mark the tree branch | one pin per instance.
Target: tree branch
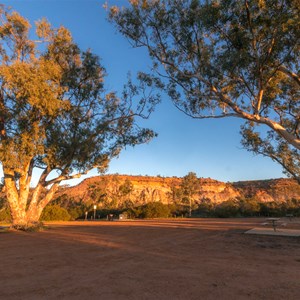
(291, 74)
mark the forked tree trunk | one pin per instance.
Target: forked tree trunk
(26, 209)
(26, 214)
(24, 218)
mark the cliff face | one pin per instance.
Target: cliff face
(278, 190)
(147, 189)
(143, 189)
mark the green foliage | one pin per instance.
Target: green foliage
(248, 207)
(3, 202)
(271, 209)
(205, 208)
(75, 209)
(189, 187)
(5, 215)
(126, 188)
(274, 209)
(95, 192)
(176, 193)
(150, 210)
(224, 58)
(55, 213)
(155, 210)
(178, 210)
(76, 212)
(190, 184)
(227, 209)
(133, 212)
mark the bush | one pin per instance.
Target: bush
(76, 213)
(134, 212)
(271, 209)
(249, 207)
(5, 215)
(227, 209)
(149, 211)
(177, 210)
(55, 213)
(155, 210)
(206, 208)
(293, 207)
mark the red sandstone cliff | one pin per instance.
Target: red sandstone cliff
(147, 189)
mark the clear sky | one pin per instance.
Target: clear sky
(210, 148)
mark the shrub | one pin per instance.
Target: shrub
(249, 207)
(55, 213)
(134, 212)
(293, 207)
(5, 215)
(150, 210)
(227, 209)
(76, 212)
(155, 210)
(177, 209)
(271, 209)
(206, 208)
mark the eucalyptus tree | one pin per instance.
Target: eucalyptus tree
(55, 114)
(226, 58)
(189, 187)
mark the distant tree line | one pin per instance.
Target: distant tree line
(251, 207)
(247, 207)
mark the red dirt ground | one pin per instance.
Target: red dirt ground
(158, 259)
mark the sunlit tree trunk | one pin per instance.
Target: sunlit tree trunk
(17, 205)
(24, 215)
(26, 208)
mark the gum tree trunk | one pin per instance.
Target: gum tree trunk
(23, 218)
(26, 209)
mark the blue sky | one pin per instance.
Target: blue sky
(210, 148)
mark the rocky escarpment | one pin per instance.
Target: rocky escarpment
(278, 190)
(144, 189)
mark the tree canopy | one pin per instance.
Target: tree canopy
(226, 58)
(55, 114)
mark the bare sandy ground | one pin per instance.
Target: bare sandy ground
(158, 259)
